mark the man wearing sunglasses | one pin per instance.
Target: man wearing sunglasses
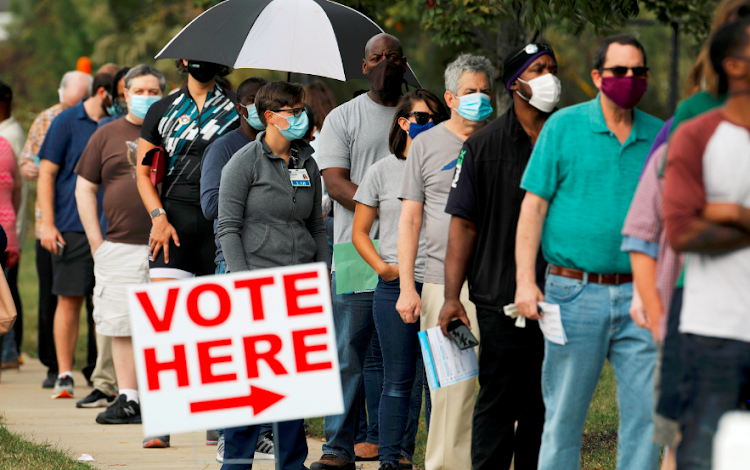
(430, 167)
(484, 202)
(580, 180)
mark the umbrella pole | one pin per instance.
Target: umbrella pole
(289, 77)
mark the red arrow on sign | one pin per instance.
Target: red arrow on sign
(259, 399)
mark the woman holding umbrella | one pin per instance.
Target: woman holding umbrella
(184, 124)
(276, 177)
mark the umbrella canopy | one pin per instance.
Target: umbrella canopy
(316, 37)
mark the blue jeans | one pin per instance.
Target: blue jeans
(400, 353)
(369, 394)
(598, 326)
(353, 322)
(9, 347)
(290, 448)
(718, 380)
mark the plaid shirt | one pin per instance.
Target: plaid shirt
(37, 132)
(645, 221)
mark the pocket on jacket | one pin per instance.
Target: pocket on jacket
(257, 237)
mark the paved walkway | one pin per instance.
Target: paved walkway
(30, 411)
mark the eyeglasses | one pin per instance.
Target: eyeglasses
(294, 111)
(533, 48)
(621, 71)
(423, 118)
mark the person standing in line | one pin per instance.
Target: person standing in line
(10, 200)
(707, 214)
(62, 232)
(217, 155)
(11, 130)
(74, 87)
(377, 197)
(119, 107)
(579, 183)
(354, 137)
(258, 177)
(424, 193)
(181, 242)
(120, 260)
(484, 204)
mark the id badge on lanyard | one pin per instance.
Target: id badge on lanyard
(299, 178)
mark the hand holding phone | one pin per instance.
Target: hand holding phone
(60, 248)
(461, 335)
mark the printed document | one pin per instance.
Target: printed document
(551, 323)
(444, 362)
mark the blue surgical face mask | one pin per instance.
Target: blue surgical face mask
(474, 107)
(416, 129)
(139, 104)
(252, 117)
(297, 126)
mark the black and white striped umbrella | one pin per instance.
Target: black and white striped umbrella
(316, 37)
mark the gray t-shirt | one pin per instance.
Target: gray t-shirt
(380, 189)
(427, 178)
(355, 136)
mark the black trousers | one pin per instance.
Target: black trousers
(12, 279)
(47, 307)
(510, 376)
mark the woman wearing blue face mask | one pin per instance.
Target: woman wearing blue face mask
(416, 112)
(275, 176)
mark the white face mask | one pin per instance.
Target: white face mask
(60, 93)
(545, 92)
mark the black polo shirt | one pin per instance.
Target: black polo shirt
(487, 191)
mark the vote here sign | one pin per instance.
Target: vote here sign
(236, 349)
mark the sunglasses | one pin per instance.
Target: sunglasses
(423, 118)
(294, 111)
(621, 71)
(533, 48)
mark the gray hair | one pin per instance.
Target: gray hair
(75, 73)
(467, 63)
(141, 70)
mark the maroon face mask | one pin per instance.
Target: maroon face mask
(626, 92)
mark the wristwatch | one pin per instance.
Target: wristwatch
(158, 212)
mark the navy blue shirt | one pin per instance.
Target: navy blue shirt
(216, 156)
(63, 145)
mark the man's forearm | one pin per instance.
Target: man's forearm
(46, 198)
(343, 193)
(408, 244)
(461, 236)
(88, 211)
(708, 237)
(529, 236)
(644, 274)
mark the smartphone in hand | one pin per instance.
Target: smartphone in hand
(461, 335)
(60, 248)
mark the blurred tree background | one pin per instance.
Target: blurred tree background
(46, 37)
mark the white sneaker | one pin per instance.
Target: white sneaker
(264, 448)
(220, 450)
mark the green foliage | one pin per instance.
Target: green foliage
(693, 15)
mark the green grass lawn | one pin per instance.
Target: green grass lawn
(17, 453)
(599, 450)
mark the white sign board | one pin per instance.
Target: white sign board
(231, 350)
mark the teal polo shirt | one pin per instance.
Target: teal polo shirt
(589, 179)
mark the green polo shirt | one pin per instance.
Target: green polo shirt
(589, 179)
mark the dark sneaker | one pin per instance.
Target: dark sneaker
(404, 463)
(264, 447)
(212, 438)
(331, 462)
(220, 450)
(388, 466)
(63, 387)
(121, 412)
(49, 382)
(96, 399)
(158, 442)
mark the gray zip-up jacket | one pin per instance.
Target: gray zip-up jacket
(264, 221)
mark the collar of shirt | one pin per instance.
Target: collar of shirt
(599, 125)
(80, 112)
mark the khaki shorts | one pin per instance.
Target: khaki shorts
(116, 267)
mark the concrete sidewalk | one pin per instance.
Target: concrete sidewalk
(30, 411)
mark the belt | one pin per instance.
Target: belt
(615, 279)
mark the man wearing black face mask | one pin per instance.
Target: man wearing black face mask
(184, 123)
(354, 137)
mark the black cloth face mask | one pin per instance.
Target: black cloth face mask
(386, 78)
(202, 71)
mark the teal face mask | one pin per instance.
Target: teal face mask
(474, 107)
(297, 126)
(139, 104)
(252, 117)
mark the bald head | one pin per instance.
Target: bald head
(109, 69)
(383, 41)
(74, 87)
